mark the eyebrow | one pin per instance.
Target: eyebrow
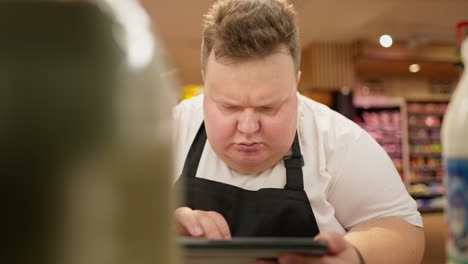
(229, 102)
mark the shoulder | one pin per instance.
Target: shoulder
(346, 158)
(320, 125)
(186, 107)
(188, 114)
(187, 118)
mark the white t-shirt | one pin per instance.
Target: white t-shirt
(348, 177)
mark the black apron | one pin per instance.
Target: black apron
(268, 212)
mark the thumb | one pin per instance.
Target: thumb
(335, 242)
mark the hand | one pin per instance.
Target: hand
(340, 251)
(197, 223)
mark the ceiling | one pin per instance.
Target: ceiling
(178, 24)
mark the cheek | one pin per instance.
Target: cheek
(280, 130)
(275, 132)
(219, 127)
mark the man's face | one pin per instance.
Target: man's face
(250, 110)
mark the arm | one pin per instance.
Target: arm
(380, 241)
(388, 240)
(372, 203)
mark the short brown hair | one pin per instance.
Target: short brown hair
(244, 29)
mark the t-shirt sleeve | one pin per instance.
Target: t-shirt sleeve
(178, 115)
(367, 185)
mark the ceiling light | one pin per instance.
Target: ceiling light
(414, 67)
(386, 41)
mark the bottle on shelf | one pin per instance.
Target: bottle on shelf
(455, 154)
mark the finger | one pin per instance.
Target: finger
(221, 223)
(293, 258)
(187, 222)
(210, 229)
(301, 259)
(335, 242)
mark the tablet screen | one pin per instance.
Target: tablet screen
(241, 250)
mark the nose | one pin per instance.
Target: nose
(248, 122)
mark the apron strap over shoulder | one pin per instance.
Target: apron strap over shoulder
(195, 153)
(293, 164)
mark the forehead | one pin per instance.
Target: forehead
(259, 80)
(277, 62)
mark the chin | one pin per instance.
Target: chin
(248, 165)
(247, 170)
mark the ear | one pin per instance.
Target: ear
(298, 77)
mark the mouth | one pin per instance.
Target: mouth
(248, 146)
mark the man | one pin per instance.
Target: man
(258, 159)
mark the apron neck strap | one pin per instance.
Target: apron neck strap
(195, 153)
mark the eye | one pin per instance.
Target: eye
(230, 108)
(266, 109)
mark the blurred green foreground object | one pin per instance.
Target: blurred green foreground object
(84, 135)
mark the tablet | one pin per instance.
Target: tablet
(246, 249)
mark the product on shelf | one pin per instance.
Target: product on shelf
(426, 170)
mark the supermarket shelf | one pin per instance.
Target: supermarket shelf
(430, 209)
(426, 113)
(426, 195)
(424, 118)
(424, 127)
(426, 169)
(414, 141)
(426, 154)
(429, 180)
(431, 204)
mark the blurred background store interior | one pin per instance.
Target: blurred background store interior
(398, 94)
